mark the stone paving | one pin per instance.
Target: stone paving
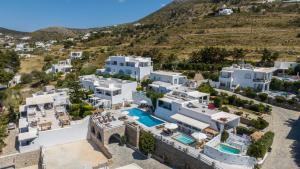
(123, 156)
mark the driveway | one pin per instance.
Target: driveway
(286, 146)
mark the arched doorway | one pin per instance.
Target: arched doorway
(115, 138)
(99, 137)
(93, 130)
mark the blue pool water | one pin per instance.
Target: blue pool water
(184, 139)
(144, 117)
(228, 149)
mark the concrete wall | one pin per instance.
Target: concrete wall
(76, 131)
(167, 154)
(132, 135)
(20, 160)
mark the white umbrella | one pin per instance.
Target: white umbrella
(125, 112)
(171, 126)
(199, 136)
(143, 102)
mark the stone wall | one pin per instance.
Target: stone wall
(101, 146)
(175, 158)
(132, 135)
(20, 160)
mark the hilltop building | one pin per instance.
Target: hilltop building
(108, 92)
(134, 66)
(246, 76)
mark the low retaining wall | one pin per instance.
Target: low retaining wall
(20, 160)
(175, 158)
(229, 158)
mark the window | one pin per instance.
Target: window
(247, 76)
(165, 105)
(117, 92)
(121, 64)
(114, 63)
(107, 93)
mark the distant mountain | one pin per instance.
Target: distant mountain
(58, 33)
(12, 32)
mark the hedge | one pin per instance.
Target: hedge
(259, 148)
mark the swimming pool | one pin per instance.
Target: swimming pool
(144, 117)
(227, 149)
(184, 139)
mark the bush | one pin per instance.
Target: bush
(244, 130)
(259, 124)
(250, 93)
(225, 109)
(263, 96)
(218, 102)
(239, 113)
(206, 88)
(280, 99)
(26, 78)
(224, 136)
(259, 148)
(146, 143)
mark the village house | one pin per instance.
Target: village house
(257, 78)
(134, 66)
(108, 92)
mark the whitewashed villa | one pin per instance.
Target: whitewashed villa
(135, 66)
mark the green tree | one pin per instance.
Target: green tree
(238, 54)
(263, 96)
(269, 57)
(147, 143)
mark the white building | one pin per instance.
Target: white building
(63, 66)
(225, 11)
(108, 91)
(190, 110)
(76, 55)
(40, 45)
(40, 114)
(16, 80)
(164, 82)
(282, 67)
(246, 76)
(136, 67)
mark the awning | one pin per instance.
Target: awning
(189, 121)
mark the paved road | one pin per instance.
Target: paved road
(286, 146)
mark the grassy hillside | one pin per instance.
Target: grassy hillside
(186, 26)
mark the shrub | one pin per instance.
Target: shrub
(250, 93)
(239, 113)
(147, 143)
(218, 102)
(280, 99)
(260, 123)
(244, 130)
(26, 78)
(154, 96)
(259, 148)
(263, 96)
(224, 136)
(225, 109)
(206, 88)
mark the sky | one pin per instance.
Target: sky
(31, 15)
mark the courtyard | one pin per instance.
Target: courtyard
(76, 155)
